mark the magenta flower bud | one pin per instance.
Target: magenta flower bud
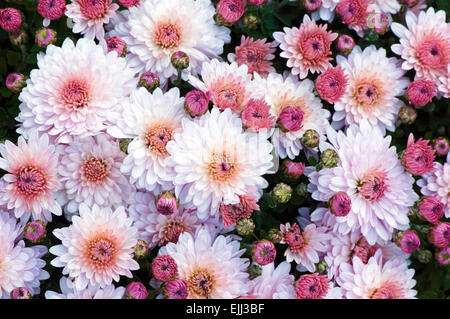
(20, 293)
(196, 103)
(51, 9)
(176, 289)
(430, 209)
(118, 45)
(149, 80)
(407, 114)
(443, 256)
(421, 92)
(441, 146)
(418, 158)
(166, 203)
(409, 242)
(164, 268)
(312, 5)
(136, 290)
(140, 249)
(15, 82)
(18, 37)
(129, 3)
(291, 119)
(230, 11)
(45, 36)
(10, 19)
(257, 2)
(311, 138)
(35, 231)
(440, 235)
(264, 252)
(340, 204)
(345, 44)
(180, 60)
(378, 23)
(293, 169)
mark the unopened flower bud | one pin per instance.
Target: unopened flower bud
(15, 82)
(136, 290)
(149, 80)
(251, 21)
(254, 271)
(20, 293)
(35, 231)
(140, 249)
(196, 103)
(264, 252)
(409, 242)
(176, 289)
(423, 255)
(118, 45)
(441, 145)
(311, 138)
(407, 114)
(302, 190)
(45, 36)
(312, 5)
(275, 235)
(123, 143)
(245, 226)
(230, 11)
(430, 209)
(180, 60)
(443, 256)
(378, 23)
(329, 158)
(340, 204)
(293, 169)
(18, 37)
(291, 119)
(282, 193)
(322, 266)
(166, 203)
(345, 44)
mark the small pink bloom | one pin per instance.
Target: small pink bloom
(364, 251)
(372, 186)
(291, 119)
(345, 44)
(407, 114)
(129, 3)
(20, 293)
(166, 203)
(311, 286)
(431, 209)
(149, 80)
(45, 36)
(378, 22)
(331, 84)
(264, 252)
(35, 231)
(293, 169)
(257, 2)
(418, 157)
(10, 19)
(136, 290)
(353, 12)
(256, 115)
(164, 268)
(232, 213)
(196, 103)
(118, 45)
(15, 82)
(440, 235)
(441, 145)
(230, 11)
(340, 204)
(421, 92)
(179, 60)
(312, 5)
(409, 242)
(443, 256)
(52, 9)
(256, 54)
(176, 289)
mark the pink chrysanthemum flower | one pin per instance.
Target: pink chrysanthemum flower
(418, 157)
(20, 266)
(440, 235)
(97, 247)
(370, 94)
(83, 93)
(136, 290)
(89, 170)
(70, 291)
(380, 189)
(256, 54)
(156, 29)
(51, 10)
(10, 19)
(331, 84)
(424, 43)
(409, 242)
(213, 267)
(256, 115)
(129, 3)
(229, 86)
(273, 283)
(32, 178)
(283, 92)
(305, 245)
(176, 289)
(437, 184)
(196, 103)
(231, 213)
(90, 15)
(377, 279)
(264, 252)
(443, 256)
(430, 209)
(151, 120)
(164, 268)
(116, 44)
(158, 229)
(293, 169)
(311, 286)
(421, 92)
(354, 13)
(307, 48)
(230, 11)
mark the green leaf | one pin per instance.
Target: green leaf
(13, 57)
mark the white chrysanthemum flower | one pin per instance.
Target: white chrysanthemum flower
(215, 161)
(31, 181)
(377, 279)
(288, 91)
(77, 90)
(151, 120)
(88, 16)
(69, 291)
(158, 229)
(156, 29)
(97, 247)
(89, 170)
(228, 85)
(370, 94)
(20, 266)
(273, 283)
(370, 172)
(437, 184)
(212, 267)
(424, 43)
(326, 11)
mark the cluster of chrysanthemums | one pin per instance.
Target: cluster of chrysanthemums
(108, 141)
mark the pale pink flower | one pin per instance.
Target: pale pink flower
(273, 283)
(307, 48)
(331, 84)
(70, 291)
(116, 44)
(231, 213)
(444, 84)
(418, 157)
(31, 179)
(311, 286)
